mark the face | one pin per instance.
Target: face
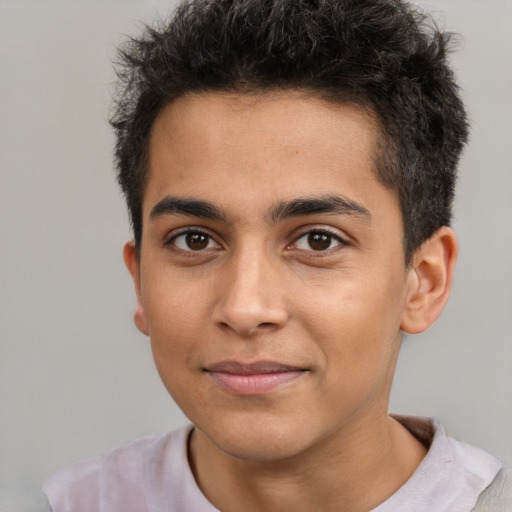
(271, 278)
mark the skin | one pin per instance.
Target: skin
(257, 288)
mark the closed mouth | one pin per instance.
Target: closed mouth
(254, 378)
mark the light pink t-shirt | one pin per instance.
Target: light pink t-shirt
(152, 474)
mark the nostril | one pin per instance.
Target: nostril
(246, 314)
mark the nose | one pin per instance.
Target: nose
(250, 299)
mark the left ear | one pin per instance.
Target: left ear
(131, 259)
(430, 280)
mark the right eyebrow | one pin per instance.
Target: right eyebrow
(170, 205)
(337, 205)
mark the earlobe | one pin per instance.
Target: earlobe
(131, 260)
(430, 281)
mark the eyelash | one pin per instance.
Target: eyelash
(332, 237)
(190, 232)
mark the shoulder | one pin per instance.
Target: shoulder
(78, 483)
(451, 477)
(119, 479)
(498, 496)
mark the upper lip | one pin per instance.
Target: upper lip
(258, 367)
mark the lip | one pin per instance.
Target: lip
(254, 378)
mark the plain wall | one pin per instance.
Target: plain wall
(76, 378)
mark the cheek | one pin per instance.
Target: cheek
(354, 323)
(173, 303)
(176, 317)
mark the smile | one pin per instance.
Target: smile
(252, 379)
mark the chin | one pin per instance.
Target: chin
(259, 448)
(259, 440)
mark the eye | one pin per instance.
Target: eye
(318, 241)
(193, 241)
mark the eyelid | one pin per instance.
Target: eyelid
(343, 241)
(170, 237)
(335, 234)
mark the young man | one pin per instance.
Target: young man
(289, 170)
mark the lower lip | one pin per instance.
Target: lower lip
(256, 384)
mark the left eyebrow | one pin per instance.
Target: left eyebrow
(317, 205)
(183, 206)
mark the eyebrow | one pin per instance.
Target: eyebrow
(317, 205)
(181, 206)
(339, 205)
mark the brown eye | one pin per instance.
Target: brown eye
(197, 241)
(319, 241)
(194, 241)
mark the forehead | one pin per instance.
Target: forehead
(294, 120)
(251, 149)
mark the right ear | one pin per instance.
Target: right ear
(131, 260)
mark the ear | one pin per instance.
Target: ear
(131, 260)
(430, 281)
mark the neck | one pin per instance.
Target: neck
(353, 470)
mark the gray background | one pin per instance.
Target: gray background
(76, 378)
